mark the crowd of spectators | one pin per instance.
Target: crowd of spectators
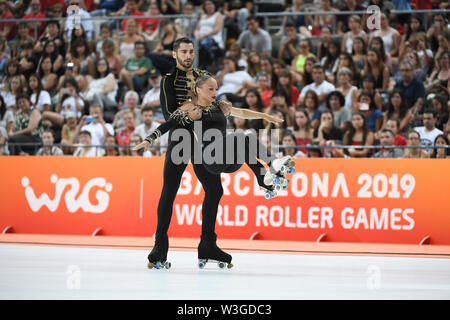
(336, 80)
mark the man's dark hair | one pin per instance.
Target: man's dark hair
(290, 24)
(318, 66)
(138, 43)
(22, 24)
(413, 131)
(22, 95)
(55, 22)
(147, 108)
(85, 132)
(430, 110)
(252, 18)
(397, 122)
(388, 130)
(178, 42)
(50, 131)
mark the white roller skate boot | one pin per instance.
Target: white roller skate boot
(277, 175)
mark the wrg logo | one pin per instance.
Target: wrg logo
(73, 203)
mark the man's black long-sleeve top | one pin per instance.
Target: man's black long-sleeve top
(176, 88)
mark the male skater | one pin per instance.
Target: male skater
(175, 89)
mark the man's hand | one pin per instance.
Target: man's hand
(145, 144)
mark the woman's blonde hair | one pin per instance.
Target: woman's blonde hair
(199, 82)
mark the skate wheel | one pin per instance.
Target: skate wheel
(278, 187)
(221, 265)
(267, 195)
(158, 265)
(276, 180)
(292, 170)
(167, 265)
(201, 264)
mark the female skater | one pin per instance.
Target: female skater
(202, 106)
(206, 91)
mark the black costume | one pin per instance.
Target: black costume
(213, 118)
(209, 173)
(175, 89)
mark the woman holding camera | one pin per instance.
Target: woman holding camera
(72, 71)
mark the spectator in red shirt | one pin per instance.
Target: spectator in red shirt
(88, 5)
(421, 4)
(285, 81)
(47, 4)
(151, 24)
(123, 134)
(36, 13)
(263, 88)
(393, 125)
(132, 11)
(7, 29)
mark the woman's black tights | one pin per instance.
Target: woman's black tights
(239, 148)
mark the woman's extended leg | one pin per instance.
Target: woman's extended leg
(240, 148)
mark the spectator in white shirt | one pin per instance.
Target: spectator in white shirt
(230, 79)
(85, 20)
(85, 149)
(320, 86)
(39, 98)
(135, 139)
(428, 132)
(148, 126)
(95, 125)
(151, 98)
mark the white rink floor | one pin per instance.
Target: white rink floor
(45, 272)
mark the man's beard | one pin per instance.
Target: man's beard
(182, 63)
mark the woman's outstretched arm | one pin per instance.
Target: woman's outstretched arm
(184, 116)
(250, 114)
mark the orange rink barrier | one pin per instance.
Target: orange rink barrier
(392, 201)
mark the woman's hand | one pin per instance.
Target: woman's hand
(195, 113)
(440, 153)
(225, 106)
(145, 144)
(352, 152)
(274, 120)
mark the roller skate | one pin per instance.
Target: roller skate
(158, 256)
(283, 166)
(269, 193)
(209, 252)
(276, 177)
